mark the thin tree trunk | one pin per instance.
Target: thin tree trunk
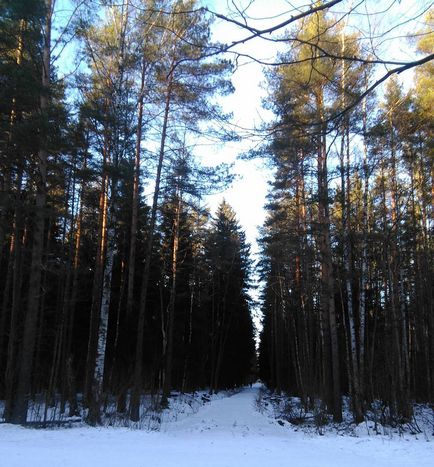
(99, 368)
(190, 331)
(115, 374)
(364, 259)
(15, 314)
(299, 326)
(167, 386)
(135, 200)
(138, 370)
(97, 285)
(328, 312)
(278, 325)
(69, 389)
(395, 279)
(353, 360)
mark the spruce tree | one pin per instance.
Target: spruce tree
(231, 328)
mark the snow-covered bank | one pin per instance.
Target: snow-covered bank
(378, 420)
(224, 432)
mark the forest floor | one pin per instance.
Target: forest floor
(229, 431)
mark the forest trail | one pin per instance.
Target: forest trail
(236, 414)
(227, 432)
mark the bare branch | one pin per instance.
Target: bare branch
(260, 32)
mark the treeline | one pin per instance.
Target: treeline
(105, 293)
(348, 246)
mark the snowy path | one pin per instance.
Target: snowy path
(225, 432)
(235, 415)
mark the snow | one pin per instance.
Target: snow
(229, 431)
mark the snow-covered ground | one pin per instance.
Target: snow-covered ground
(224, 432)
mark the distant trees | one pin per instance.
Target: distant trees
(231, 333)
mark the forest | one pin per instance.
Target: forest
(116, 280)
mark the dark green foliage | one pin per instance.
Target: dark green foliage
(232, 348)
